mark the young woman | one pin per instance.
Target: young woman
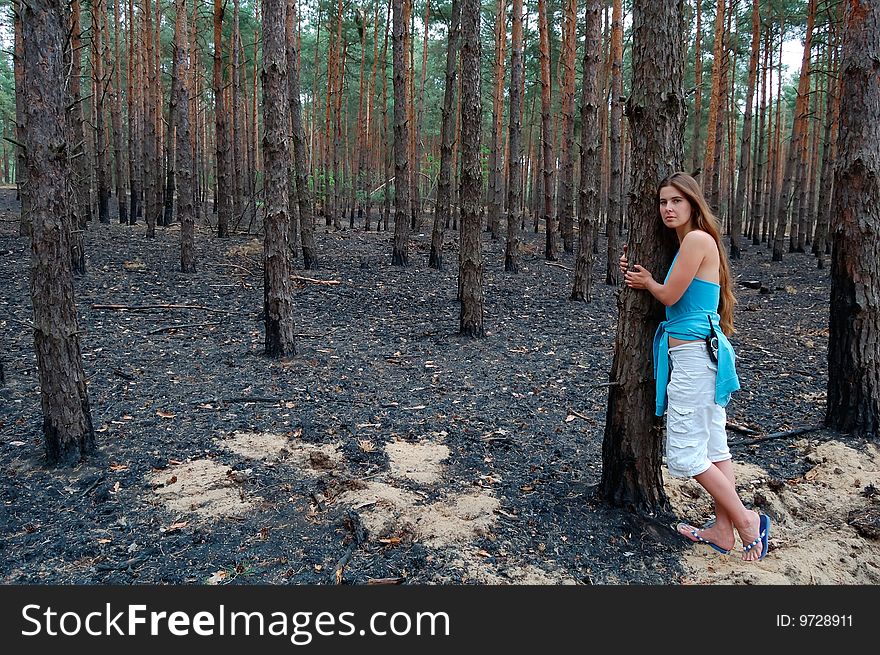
(694, 364)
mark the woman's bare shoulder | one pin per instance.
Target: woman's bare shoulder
(699, 240)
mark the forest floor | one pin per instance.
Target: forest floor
(389, 444)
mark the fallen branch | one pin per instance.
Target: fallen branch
(169, 328)
(740, 428)
(240, 399)
(579, 415)
(140, 308)
(313, 280)
(558, 265)
(777, 435)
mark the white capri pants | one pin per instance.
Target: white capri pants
(695, 424)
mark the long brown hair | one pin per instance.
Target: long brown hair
(704, 220)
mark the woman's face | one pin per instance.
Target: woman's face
(675, 208)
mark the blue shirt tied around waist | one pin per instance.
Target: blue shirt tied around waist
(688, 319)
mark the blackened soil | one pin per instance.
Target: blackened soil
(379, 360)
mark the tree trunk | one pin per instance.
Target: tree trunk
(277, 286)
(135, 137)
(698, 95)
(496, 157)
(746, 147)
(588, 205)
(170, 158)
(798, 131)
(758, 209)
(854, 326)
(184, 156)
(300, 156)
(447, 136)
(615, 199)
(67, 423)
(99, 28)
(238, 146)
(223, 194)
(470, 270)
(715, 96)
(565, 196)
(400, 255)
(118, 136)
(151, 136)
(515, 157)
(829, 155)
(631, 450)
(547, 161)
(25, 224)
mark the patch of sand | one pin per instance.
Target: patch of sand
(810, 539)
(386, 510)
(200, 487)
(310, 459)
(419, 462)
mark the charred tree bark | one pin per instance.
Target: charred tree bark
(135, 136)
(470, 270)
(151, 136)
(565, 195)
(68, 433)
(588, 202)
(400, 254)
(277, 286)
(118, 135)
(223, 194)
(615, 199)
(854, 335)
(184, 154)
(631, 449)
(548, 164)
(25, 224)
(515, 157)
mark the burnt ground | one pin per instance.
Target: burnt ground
(521, 413)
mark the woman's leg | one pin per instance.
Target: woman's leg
(721, 531)
(745, 521)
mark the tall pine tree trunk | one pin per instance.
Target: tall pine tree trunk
(798, 131)
(565, 196)
(615, 199)
(854, 334)
(447, 138)
(224, 189)
(515, 169)
(300, 156)
(277, 286)
(548, 164)
(184, 156)
(746, 147)
(632, 446)
(68, 433)
(588, 204)
(470, 269)
(400, 254)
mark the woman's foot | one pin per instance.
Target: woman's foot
(720, 540)
(754, 537)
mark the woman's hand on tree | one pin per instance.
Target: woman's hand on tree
(624, 263)
(638, 278)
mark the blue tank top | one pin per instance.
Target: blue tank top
(689, 319)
